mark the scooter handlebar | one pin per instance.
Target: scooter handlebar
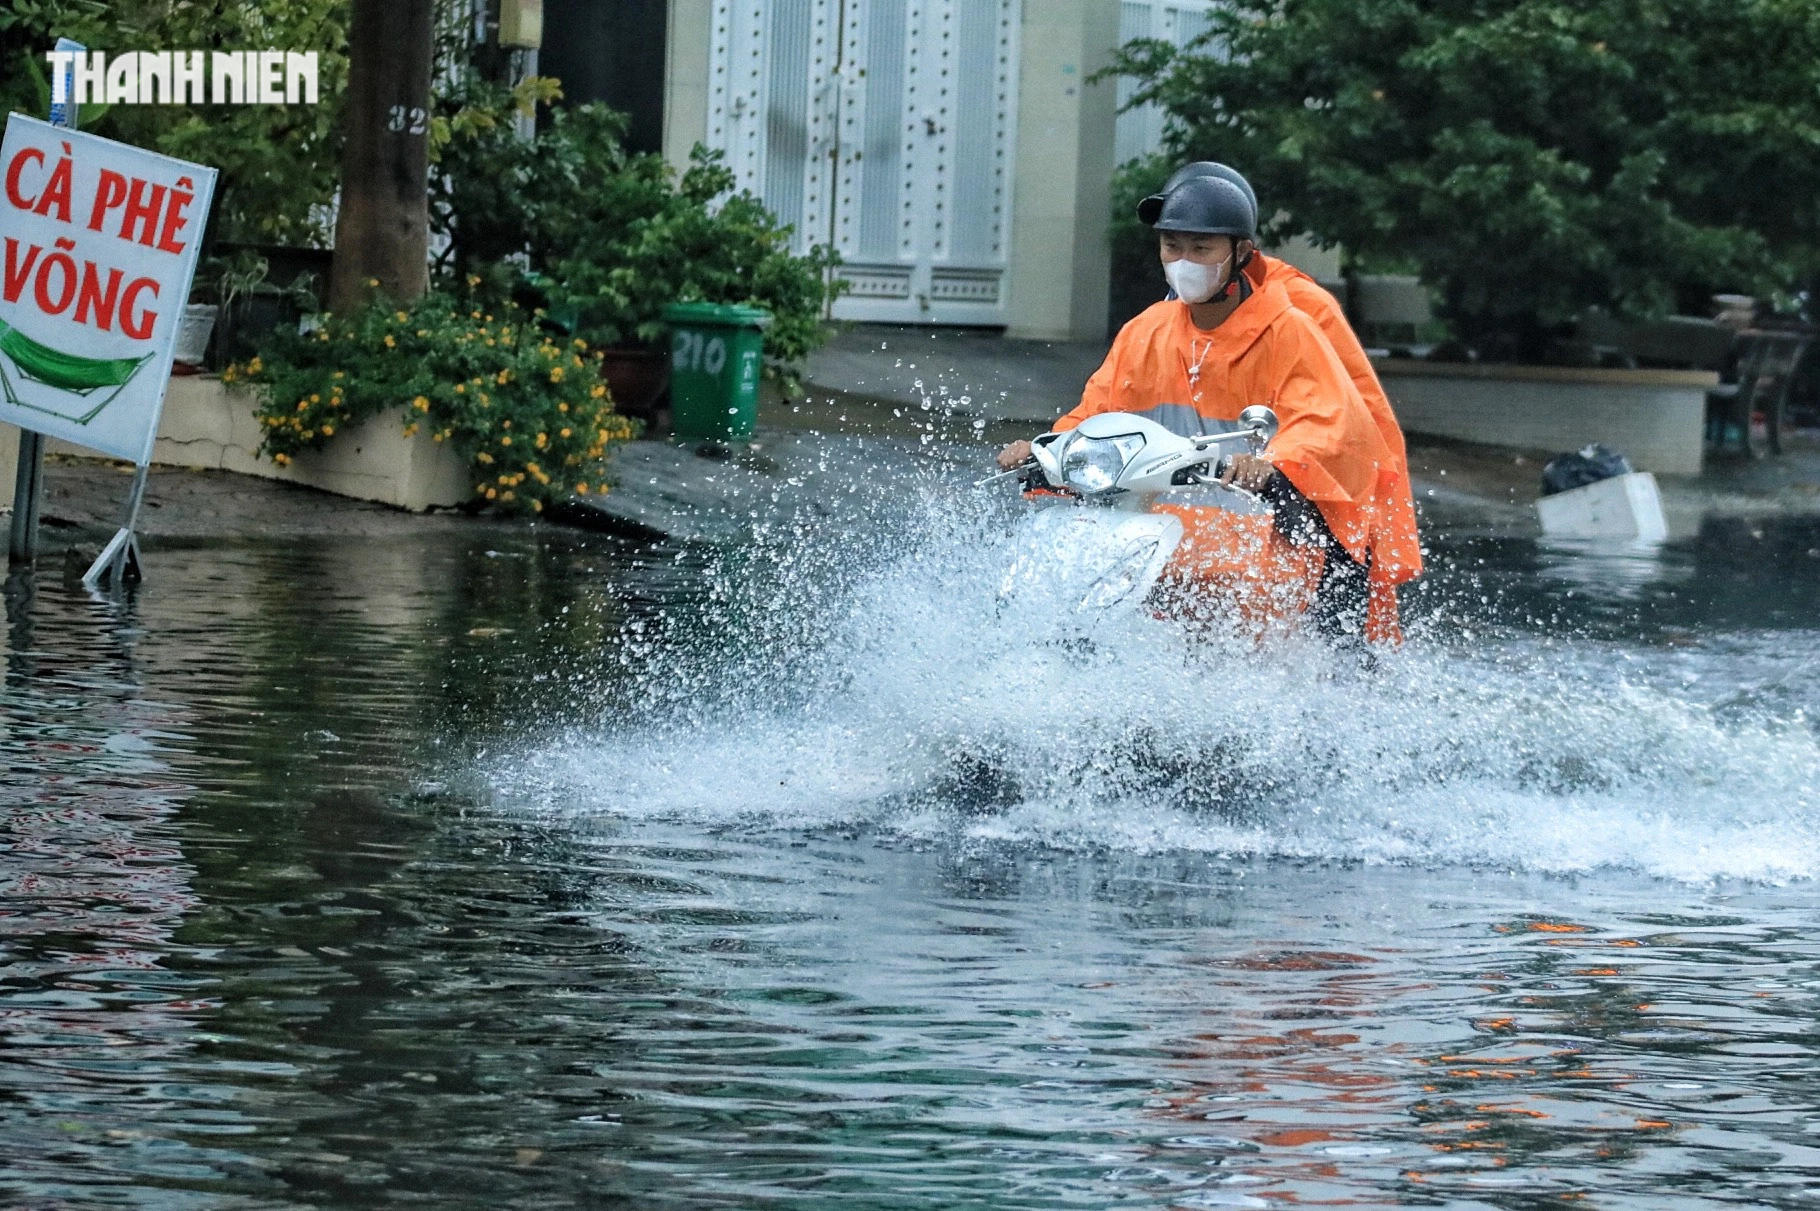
(998, 475)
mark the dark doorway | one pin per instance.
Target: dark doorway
(610, 51)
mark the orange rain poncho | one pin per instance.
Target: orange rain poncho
(1396, 554)
(1330, 445)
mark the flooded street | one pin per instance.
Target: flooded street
(530, 867)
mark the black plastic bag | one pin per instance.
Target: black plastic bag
(1593, 463)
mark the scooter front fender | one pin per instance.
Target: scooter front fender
(1087, 559)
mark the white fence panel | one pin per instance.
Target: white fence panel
(884, 127)
(1179, 22)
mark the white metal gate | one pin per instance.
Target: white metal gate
(882, 127)
(1140, 130)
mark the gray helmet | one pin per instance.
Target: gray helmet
(1208, 206)
(1152, 206)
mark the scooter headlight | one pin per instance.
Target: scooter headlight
(1092, 465)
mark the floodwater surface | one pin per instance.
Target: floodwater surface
(532, 868)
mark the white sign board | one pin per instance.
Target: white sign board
(100, 243)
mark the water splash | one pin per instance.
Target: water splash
(899, 692)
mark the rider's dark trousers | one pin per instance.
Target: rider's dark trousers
(1341, 598)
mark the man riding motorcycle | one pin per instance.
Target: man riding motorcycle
(1398, 557)
(1233, 337)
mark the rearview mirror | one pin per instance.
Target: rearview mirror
(1261, 419)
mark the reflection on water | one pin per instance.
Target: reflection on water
(357, 873)
(92, 886)
(1735, 574)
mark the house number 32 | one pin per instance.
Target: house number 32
(414, 120)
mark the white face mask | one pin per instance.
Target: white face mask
(1194, 282)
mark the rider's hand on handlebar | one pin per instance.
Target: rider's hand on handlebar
(1247, 471)
(1013, 454)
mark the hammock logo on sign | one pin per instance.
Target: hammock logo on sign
(100, 248)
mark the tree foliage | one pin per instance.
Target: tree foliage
(602, 239)
(278, 163)
(569, 222)
(1529, 158)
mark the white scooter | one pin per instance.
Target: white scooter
(1102, 546)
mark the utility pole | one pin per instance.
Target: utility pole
(383, 229)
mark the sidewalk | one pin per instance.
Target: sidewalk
(84, 497)
(976, 372)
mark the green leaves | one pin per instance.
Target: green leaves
(278, 164)
(608, 238)
(1531, 157)
(527, 409)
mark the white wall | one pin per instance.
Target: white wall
(1060, 258)
(686, 46)
(1059, 268)
(1655, 417)
(208, 426)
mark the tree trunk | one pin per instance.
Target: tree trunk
(383, 230)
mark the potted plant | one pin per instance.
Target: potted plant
(194, 328)
(599, 240)
(525, 408)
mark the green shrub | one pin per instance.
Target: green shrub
(604, 239)
(531, 415)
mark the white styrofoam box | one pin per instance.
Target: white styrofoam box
(193, 328)
(1625, 506)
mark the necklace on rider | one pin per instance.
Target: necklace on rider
(1194, 368)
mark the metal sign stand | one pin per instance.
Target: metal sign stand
(120, 557)
(28, 487)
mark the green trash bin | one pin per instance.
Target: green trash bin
(716, 355)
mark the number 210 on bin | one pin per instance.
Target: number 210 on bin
(694, 351)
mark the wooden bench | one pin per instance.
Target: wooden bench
(1766, 362)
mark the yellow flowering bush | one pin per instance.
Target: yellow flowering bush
(527, 408)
